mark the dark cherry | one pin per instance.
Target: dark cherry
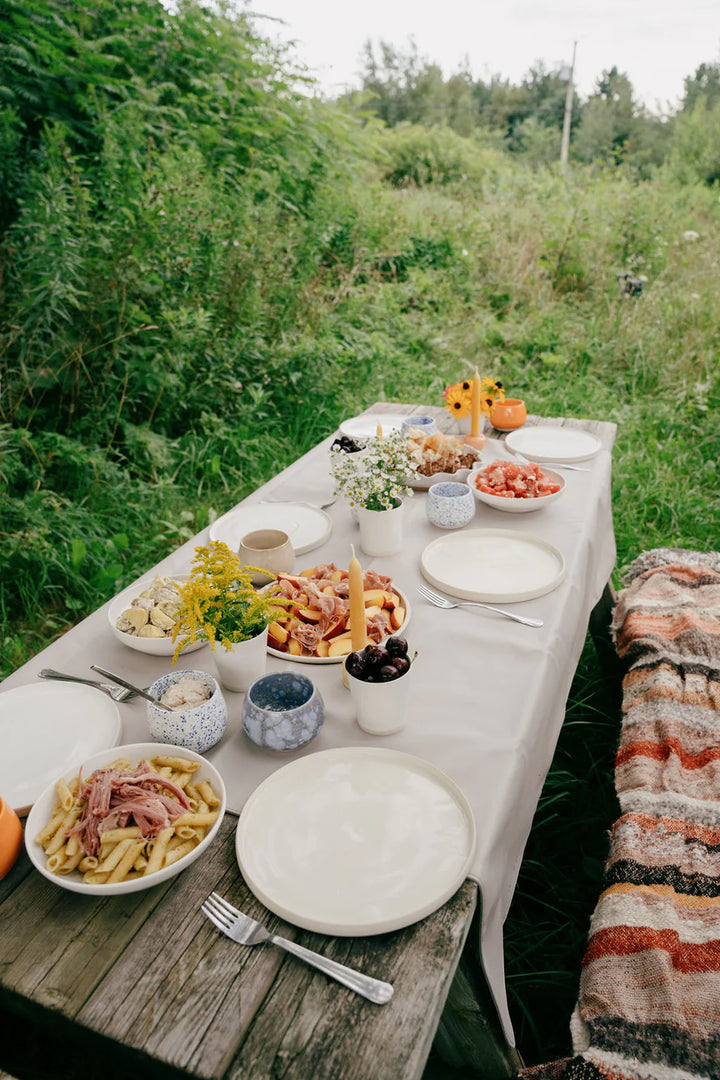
(355, 665)
(396, 646)
(401, 664)
(388, 672)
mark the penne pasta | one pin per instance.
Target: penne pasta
(208, 818)
(180, 764)
(157, 854)
(64, 794)
(174, 811)
(206, 792)
(124, 866)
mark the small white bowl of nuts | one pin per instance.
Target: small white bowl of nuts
(143, 615)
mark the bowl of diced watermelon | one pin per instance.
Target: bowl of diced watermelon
(514, 486)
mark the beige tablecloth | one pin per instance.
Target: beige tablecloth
(488, 697)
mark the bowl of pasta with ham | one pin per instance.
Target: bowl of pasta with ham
(126, 819)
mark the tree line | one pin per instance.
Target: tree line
(610, 125)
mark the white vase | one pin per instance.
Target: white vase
(239, 666)
(381, 531)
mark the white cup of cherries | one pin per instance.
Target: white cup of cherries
(377, 677)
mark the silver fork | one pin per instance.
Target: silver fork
(246, 931)
(443, 602)
(117, 693)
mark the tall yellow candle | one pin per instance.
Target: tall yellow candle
(358, 628)
(378, 431)
(475, 405)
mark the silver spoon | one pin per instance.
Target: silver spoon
(129, 686)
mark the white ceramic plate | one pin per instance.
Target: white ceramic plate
(152, 646)
(517, 506)
(355, 841)
(307, 526)
(44, 729)
(496, 565)
(339, 659)
(365, 426)
(553, 444)
(134, 752)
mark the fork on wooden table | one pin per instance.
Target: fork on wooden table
(246, 931)
(443, 602)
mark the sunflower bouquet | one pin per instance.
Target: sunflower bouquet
(458, 396)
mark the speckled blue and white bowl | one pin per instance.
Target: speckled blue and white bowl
(197, 728)
(448, 506)
(282, 711)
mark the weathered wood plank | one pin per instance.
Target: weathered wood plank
(306, 1029)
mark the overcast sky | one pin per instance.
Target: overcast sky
(656, 42)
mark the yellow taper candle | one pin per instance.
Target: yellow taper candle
(358, 628)
(475, 404)
(378, 431)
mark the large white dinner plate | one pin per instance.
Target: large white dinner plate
(498, 565)
(364, 426)
(338, 659)
(355, 841)
(553, 443)
(44, 730)
(307, 526)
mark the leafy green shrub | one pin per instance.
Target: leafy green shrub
(419, 155)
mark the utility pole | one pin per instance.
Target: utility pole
(567, 117)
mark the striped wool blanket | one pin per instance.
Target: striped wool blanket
(649, 999)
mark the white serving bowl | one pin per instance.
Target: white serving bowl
(152, 646)
(424, 483)
(517, 506)
(134, 752)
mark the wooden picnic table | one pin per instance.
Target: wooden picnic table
(143, 984)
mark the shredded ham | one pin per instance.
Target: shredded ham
(115, 799)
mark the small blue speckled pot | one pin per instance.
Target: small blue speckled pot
(196, 729)
(282, 711)
(448, 506)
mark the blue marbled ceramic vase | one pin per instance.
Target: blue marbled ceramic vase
(282, 711)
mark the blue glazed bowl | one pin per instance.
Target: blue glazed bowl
(448, 506)
(424, 424)
(197, 728)
(282, 711)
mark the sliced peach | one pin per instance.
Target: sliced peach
(374, 597)
(341, 646)
(309, 614)
(372, 611)
(322, 648)
(397, 617)
(294, 647)
(337, 575)
(392, 600)
(277, 634)
(336, 628)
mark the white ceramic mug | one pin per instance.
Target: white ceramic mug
(268, 549)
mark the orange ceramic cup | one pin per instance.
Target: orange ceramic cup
(508, 414)
(10, 837)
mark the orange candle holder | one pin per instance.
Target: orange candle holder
(476, 441)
